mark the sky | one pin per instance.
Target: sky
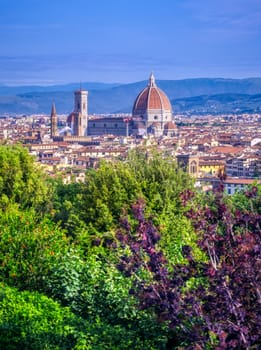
(122, 41)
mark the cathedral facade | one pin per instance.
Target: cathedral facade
(151, 114)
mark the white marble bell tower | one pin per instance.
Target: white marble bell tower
(81, 112)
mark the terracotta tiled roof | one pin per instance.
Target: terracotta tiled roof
(170, 125)
(226, 149)
(241, 181)
(151, 98)
(71, 117)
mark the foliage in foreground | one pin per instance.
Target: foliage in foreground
(194, 281)
(222, 310)
(28, 248)
(21, 181)
(37, 256)
(92, 210)
(32, 321)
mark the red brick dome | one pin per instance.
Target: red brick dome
(71, 118)
(151, 98)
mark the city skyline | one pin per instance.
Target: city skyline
(123, 41)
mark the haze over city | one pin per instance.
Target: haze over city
(122, 41)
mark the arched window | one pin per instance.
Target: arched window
(193, 167)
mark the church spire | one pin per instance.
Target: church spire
(53, 112)
(53, 121)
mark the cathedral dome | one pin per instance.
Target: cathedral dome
(151, 98)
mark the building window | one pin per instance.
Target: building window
(155, 117)
(93, 125)
(84, 106)
(104, 125)
(116, 125)
(193, 167)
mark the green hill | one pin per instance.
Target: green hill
(188, 95)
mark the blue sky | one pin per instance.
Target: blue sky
(60, 41)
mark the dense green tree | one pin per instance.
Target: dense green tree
(160, 178)
(240, 200)
(37, 256)
(94, 208)
(28, 248)
(100, 201)
(31, 321)
(95, 290)
(21, 180)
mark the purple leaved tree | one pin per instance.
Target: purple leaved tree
(214, 304)
(231, 300)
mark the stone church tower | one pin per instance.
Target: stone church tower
(80, 113)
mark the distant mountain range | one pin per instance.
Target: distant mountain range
(197, 96)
